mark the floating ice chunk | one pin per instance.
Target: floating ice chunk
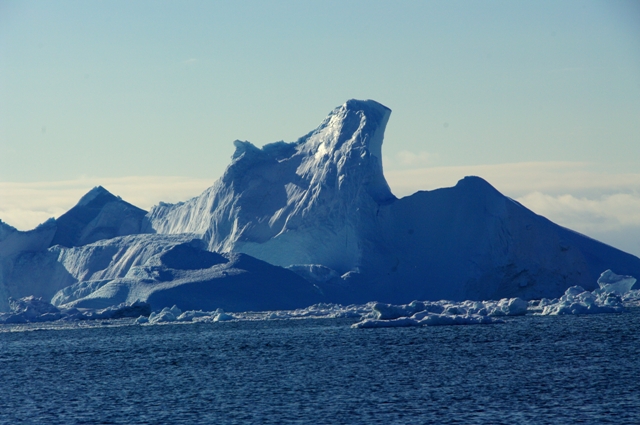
(578, 301)
(165, 315)
(205, 316)
(30, 309)
(141, 320)
(392, 323)
(31, 306)
(632, 298)
(389, 311)
(510, 307)
(615, 284)
(221, 316)
(613, 294)
(188, 316)
(136, 309)
(316, 311)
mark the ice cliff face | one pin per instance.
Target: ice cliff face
(295, 203)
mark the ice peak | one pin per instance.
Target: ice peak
(345, 150)
(361, 122)
(242, 147)
(98, 215)
(367, 104)
(476, 184)
(347, 146)
(93, 194)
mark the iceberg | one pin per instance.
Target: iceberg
(321, 207)
(168, 270)
(612, 283)
(310, 222)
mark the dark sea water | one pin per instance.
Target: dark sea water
(530, 370)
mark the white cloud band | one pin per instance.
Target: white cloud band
(25, 205)
(597, 202)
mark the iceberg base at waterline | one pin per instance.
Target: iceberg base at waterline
(576, 300)
(36, 310)
(294, 224)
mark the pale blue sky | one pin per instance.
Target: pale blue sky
(104, 91)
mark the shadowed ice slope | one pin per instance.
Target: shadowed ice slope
(26, 267)
(98, 215)
(471, 242)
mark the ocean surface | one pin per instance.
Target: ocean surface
(529, 370)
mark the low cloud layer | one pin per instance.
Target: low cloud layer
(25, 205)
(597, 202)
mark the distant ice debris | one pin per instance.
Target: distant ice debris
(439, 313)
(316, 311)
(33, 309)
(612, 296)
